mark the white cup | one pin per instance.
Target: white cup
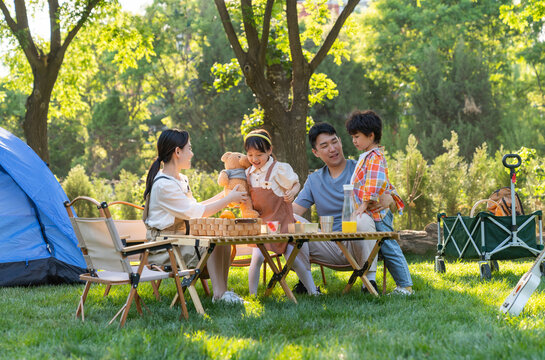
(326, 224)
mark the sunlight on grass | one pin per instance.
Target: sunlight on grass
(219, 347)
(253, 308)
(453, 315)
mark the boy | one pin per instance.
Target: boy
(370, 179)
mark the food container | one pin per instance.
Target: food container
(273, 227)
(302, 228)
(224, 227)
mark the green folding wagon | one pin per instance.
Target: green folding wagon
(489, 238)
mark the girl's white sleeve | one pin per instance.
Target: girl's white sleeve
(177, 203)
(285, 176)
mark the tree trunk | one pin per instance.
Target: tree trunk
(285, 120)
(37, 108)
(289, 134)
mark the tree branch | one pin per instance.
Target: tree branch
(21, 30)
(333, 33)
(230, 31)
(296, 49)
(265, 33)
(9, 20)
(249, 25)
(72, 34)
(54, 26)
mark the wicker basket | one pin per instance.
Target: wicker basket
(224, 227)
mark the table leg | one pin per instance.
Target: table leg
(179, 292)
(280, 275)
(200, 266)
(362, 273)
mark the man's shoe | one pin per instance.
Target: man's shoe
(402, 291)
(364, 289)
(299, 288)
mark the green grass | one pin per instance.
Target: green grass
(452, 315)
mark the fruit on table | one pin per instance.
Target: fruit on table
(227, 214)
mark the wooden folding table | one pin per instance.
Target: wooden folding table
(279, 276)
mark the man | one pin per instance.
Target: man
(324, 188)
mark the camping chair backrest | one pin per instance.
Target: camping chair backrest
(130, 230)
(99, 240)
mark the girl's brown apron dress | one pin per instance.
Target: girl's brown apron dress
(272, 207)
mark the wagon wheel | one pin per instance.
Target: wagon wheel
(486, 274)
(494, 266)
(440, 265)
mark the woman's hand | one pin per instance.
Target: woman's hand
(236, 196)
(217, 203)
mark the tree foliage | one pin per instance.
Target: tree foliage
(278, 55)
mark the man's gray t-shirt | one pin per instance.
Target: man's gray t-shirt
(327, 193)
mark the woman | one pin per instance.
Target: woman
(170, 201)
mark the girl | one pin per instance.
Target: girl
(170, 201)
(273, 186)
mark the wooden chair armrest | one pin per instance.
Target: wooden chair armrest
(126, 203)
(150, 245)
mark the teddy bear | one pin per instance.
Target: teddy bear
(233, 175)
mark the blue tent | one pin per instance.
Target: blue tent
(37, 241)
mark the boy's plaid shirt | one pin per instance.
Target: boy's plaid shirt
(371, 180)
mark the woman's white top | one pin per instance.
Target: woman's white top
(170, 199)
(282, 177)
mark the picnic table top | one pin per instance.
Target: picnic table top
(272, 238)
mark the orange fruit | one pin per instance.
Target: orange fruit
(227, 214)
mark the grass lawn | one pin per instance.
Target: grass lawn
(452, 315)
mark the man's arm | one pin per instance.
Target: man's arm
(298, 209)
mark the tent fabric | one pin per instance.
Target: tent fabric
(34, 225)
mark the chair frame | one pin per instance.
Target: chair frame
(134, 275)
(347, 267)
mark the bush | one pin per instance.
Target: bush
(448, 173)
(409, 174)
(76, 184)
(531, 180)
(203, 185)
(131, 189)
(481, 179)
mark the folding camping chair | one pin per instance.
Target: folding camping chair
(107, 260)
(488, 237)
(134, 232)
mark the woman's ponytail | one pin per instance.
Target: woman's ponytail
(152, 172)
(168, 141)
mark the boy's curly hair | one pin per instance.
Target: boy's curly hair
(366, 122)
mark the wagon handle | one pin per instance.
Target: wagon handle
(512, 156)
